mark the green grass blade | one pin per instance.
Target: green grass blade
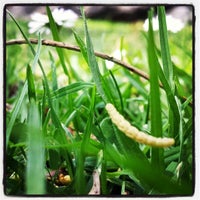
(56, 37)
(31, 84)
(54, 75)
(35, 176)
(175, 117)
(74, 87)
(81, 153)
(155, 105)
(82, 46)
(54, 80)
(15, 112)
(118, 90)
(165, 52)
(92, 62)
(168, 69)
(87, 131)
(25, 87)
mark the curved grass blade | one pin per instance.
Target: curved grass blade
(155, 105)
(74, 87)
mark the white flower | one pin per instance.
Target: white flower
(62, 17)
(173, 24)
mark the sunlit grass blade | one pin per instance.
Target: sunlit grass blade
(155, 105)
(92, 62)
(165, 51)
(56, 37)
(167, 67)
(81, 45)
(35, 175)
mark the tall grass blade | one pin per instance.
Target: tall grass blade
(54, 74)
(167, 64)
(165, 52)
(81, 153)
(92, 62)
(155, 105)
(56, 37)
(174, 125)
(35, 175)
(15, 112)
(118, 90)
(81, 45)
(54, 80)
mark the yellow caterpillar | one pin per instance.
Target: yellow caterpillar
(133, 133)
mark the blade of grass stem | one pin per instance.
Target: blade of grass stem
(54, 75)
(31, 84)
(35, 176)
(81, 153)
(167, 63)
(54, 80)
(92, 62)
(165, 51)
(155, 105)
(15, 112)
(56, 37)
(82, 46)
(118, 90)
(103, 175)
(87, 131)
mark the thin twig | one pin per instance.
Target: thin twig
(75, 48)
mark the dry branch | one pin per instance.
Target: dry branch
(75, 48)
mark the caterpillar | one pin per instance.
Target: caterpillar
(133, 133)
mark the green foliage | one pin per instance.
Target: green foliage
(56, 130)
(155, 105)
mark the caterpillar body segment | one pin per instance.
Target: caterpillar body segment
(133, 133)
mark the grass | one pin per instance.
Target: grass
(55, 131)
